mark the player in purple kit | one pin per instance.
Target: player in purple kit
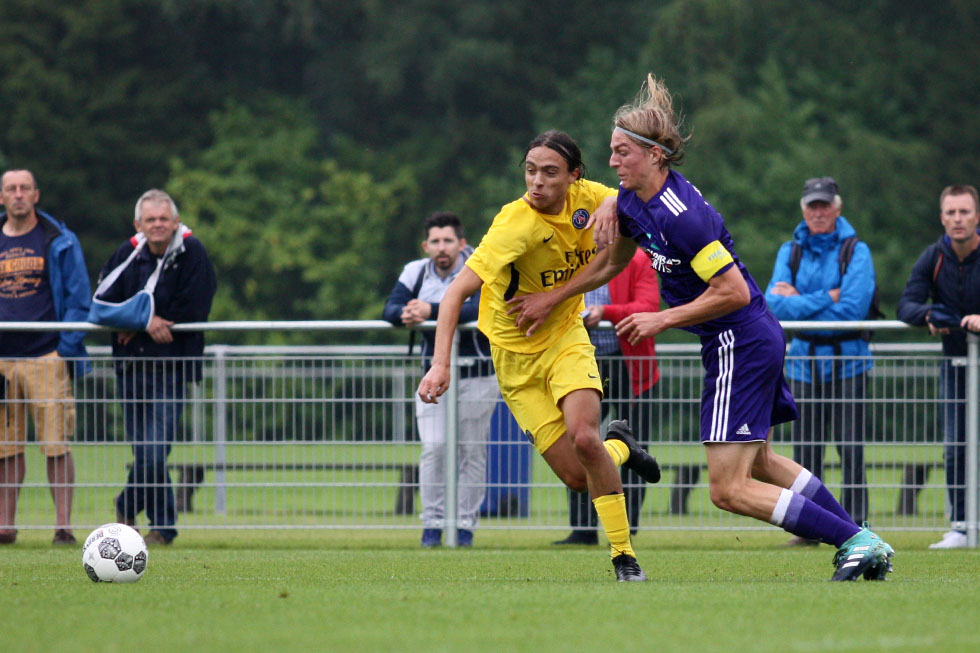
(711, 294)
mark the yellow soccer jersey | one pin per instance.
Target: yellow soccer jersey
(526, 252)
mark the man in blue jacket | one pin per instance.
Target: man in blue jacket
(42, 279)
(827, 369)
(943, 292)
(154, 365)
(415, 299)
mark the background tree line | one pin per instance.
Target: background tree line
(305, 140)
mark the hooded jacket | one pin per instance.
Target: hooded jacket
(819, 272)
(70, 289)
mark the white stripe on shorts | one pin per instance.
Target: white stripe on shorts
(723, 387)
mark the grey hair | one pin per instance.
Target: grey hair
(155, 195)
(838, 202)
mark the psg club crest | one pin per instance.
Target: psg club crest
(579, 218)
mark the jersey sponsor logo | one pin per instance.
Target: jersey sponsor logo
(580, 218)
(673, 203)
(575, 259)
(659, 262)
(549, 237)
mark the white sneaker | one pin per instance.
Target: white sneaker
(951, 540)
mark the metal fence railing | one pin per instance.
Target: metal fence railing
(323, 437)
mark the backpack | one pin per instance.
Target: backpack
(843, 259)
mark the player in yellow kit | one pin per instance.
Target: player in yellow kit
(550, 379)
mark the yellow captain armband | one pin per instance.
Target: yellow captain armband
(710, 259)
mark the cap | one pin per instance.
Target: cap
(820, 189)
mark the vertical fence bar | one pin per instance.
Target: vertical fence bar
(452, 438)
(972, 388)
(220, 428)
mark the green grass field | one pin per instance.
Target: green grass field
(377, 591)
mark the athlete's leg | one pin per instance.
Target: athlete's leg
(770, 467)
(730, 466)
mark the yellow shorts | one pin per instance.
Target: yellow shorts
(43, 385)
(533, 384)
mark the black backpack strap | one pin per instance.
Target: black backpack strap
(795, 256)
(937, 264)
(845, 254)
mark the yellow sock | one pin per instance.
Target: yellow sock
(612, 515)
(618, 451)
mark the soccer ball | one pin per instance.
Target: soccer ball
(114, 553)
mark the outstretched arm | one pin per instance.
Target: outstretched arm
(725, 293)
(532, 310)
(436, 380)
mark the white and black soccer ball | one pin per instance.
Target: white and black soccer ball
(114, 553)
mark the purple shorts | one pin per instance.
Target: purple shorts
(745, 393)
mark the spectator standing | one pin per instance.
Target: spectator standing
(154, 365)
(629, 374)
(415, 299)
(42, 279)
(827, 369)
(943, 293)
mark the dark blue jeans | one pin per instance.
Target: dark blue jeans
(952, 383)
(152, 394)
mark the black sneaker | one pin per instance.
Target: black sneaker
(627, 569)
(639, 461)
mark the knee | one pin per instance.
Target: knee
(587, 444)
(576, 483)
(150, 456)
(724, 496)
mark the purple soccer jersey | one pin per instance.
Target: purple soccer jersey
(745, 392)
(672, 228)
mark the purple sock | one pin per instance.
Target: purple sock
(801, 516)
(813, 489)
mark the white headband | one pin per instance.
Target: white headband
(644, 139)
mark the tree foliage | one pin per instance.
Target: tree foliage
(306, 140)
(292, 235)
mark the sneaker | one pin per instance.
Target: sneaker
(880, 569)
(63, 537)
(431, 537)
(627, 569)
(464, 537)
(796, 540)
(580, 538)
(951, 540)
(863, 554)
(155, 538)
(8, 537)
(639, 461)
